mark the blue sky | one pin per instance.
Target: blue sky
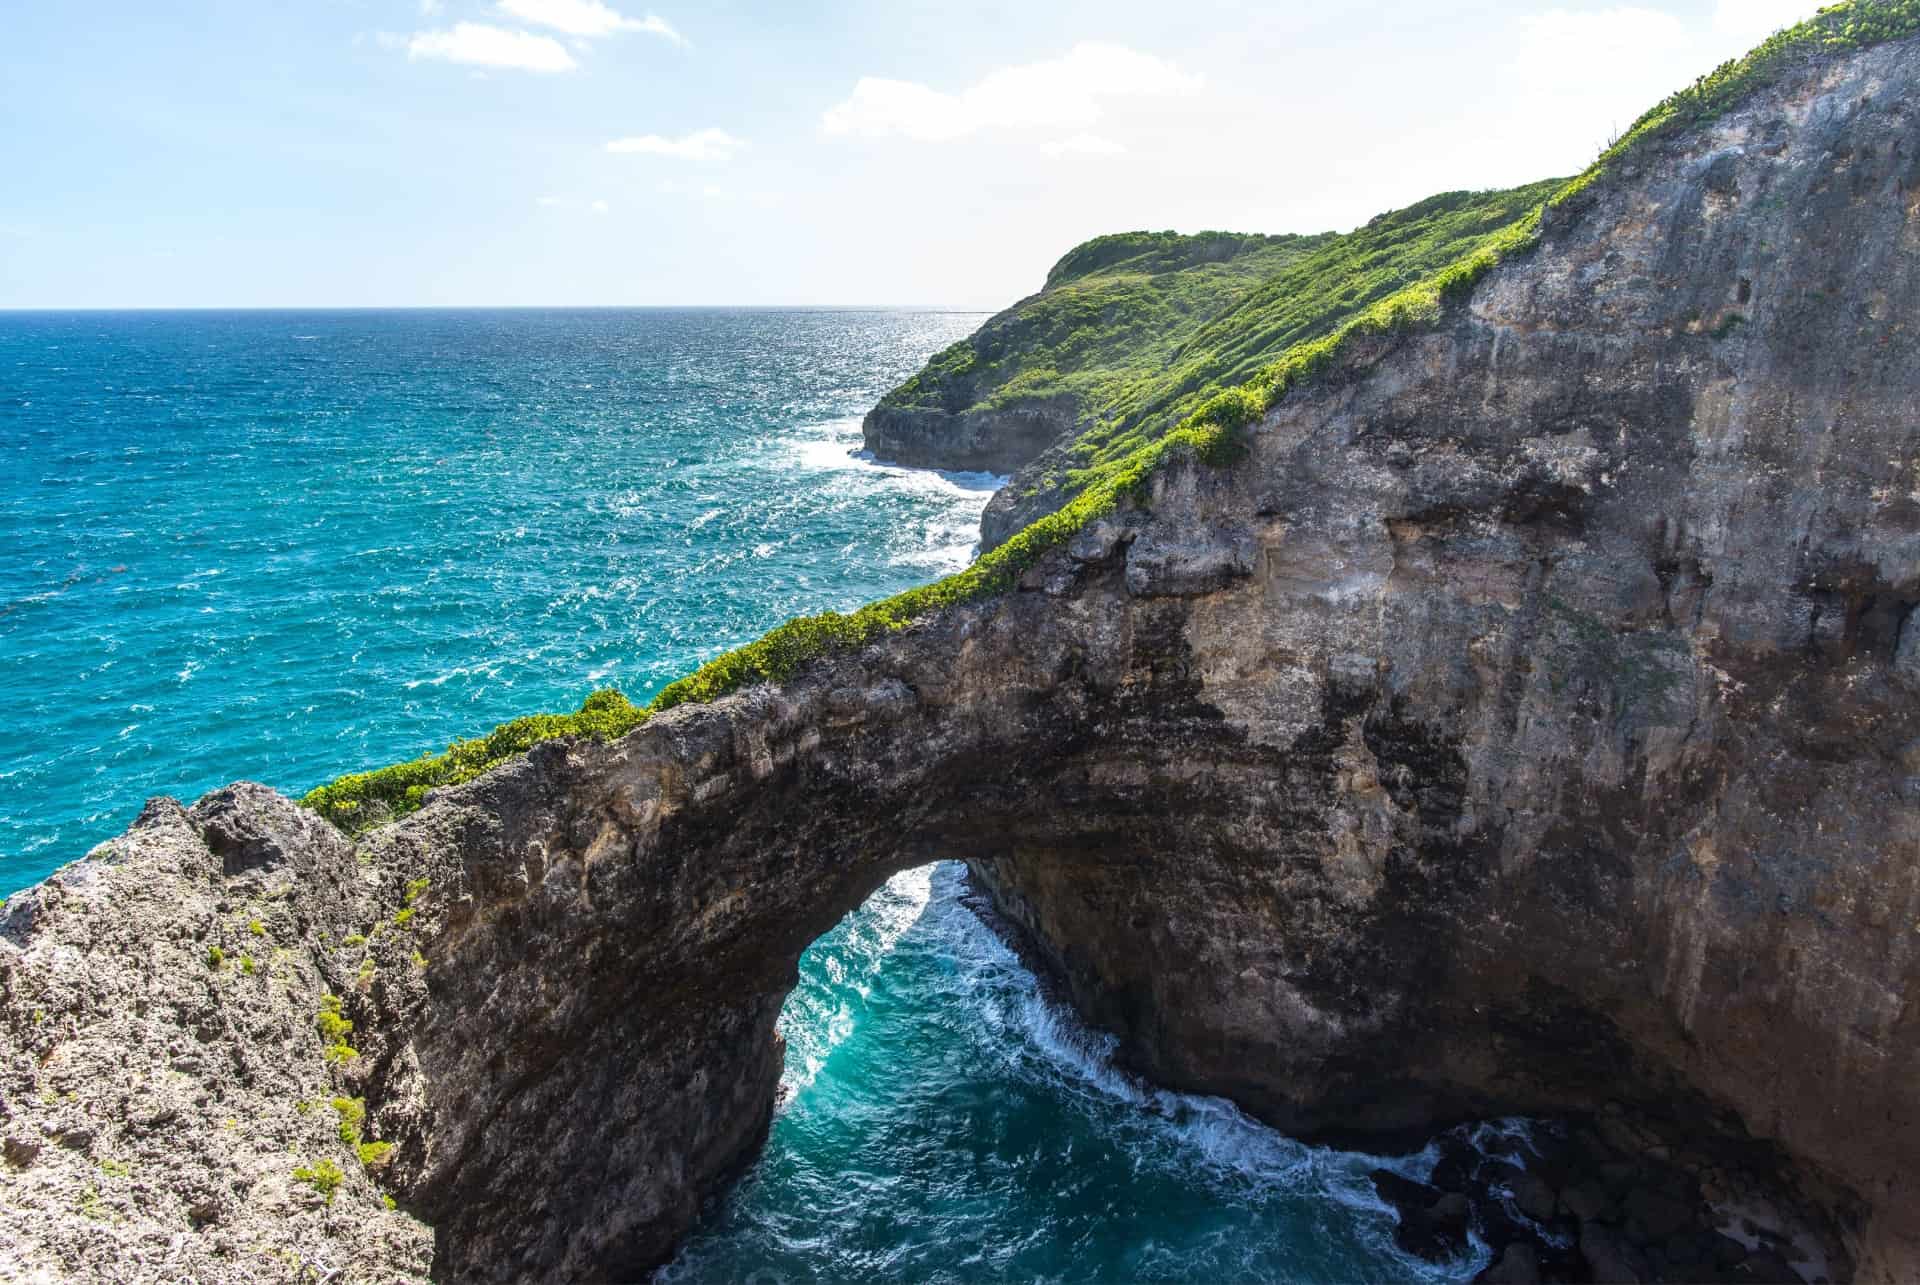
(457, 152)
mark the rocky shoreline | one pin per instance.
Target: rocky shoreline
(1612, 1197)
(1523, 721)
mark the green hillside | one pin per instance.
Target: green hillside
(1141, 328)
(1282, 316)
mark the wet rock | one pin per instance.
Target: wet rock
(1533, 1196)
(1724, 1250)
(1516, 1265)
(1454, 1170)
(1766, 1266)
(1610, 1258)
(1652, 1217)
(1586, 1201)
(1432, 1223)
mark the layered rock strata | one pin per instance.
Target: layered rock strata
(1530, 721)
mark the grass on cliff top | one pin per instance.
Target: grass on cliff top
(1201, 421)
(1136, 330)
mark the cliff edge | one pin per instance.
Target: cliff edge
(1524, 719)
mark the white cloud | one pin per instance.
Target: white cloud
(586, 18)
(478, 45)
(599, 207)
(1083, 145)
(549, 202)
(700, 145)
(1059, 93)
(1748, 22)
(430, 7)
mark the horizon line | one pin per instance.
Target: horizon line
(498, 307)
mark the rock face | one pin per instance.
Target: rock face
(156, 1096)
(978, 441)
(1527, 722)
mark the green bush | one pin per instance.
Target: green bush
(324, 1176)
(352, 1112)
(334, 1028)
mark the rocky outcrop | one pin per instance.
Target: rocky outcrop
(1000, 441)
(1526, 723)
(161, 1079)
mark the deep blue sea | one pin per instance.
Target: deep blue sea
(282, 546)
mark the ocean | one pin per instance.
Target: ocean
(280, 546)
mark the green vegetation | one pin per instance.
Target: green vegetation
(334, 1029)
(388, 1201)
(324, 1176)
(115, 1168)
(402, 916)
(247, 965)
(257, 928)
(215, 957)
(352, 940)
(352, 1112)
(1138, 331)
(416, 888)
(1167, 346)
(368, 798)
(89, 1206)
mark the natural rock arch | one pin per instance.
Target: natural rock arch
(1513, 728)
(1529, 719)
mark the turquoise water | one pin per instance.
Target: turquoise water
(282, 546)
(946, 1122)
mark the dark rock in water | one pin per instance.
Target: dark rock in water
(1455, 1168)
(1684, 1249)
(1433, 1224)
(1402, 1192)
(1724, 1250)
(1587, 1201)
(1619, 1177)
(1651, 1217)
(1611, 1260)
(1516, 1265)
(1533, 1196)
(1765, 1266)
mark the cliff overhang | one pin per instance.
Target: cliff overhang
(1521, 715)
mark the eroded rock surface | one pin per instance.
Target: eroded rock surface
(985, 441)
(1527, 723)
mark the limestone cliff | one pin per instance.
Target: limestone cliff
(1529, 720)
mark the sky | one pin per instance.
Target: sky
(357, 153)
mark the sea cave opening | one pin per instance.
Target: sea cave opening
(943, 1116)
